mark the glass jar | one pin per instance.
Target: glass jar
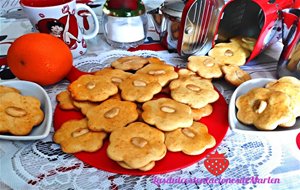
(125, 32)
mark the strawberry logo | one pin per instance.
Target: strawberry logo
(216, 163)
(123, 4)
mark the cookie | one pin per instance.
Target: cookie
(155, 60)
(294, 58)
(291, 87)
(129, 63)
(74, 136)
(6, 89)
(65, 101)
(167, 114)
(111, 115)
(136, 145)
(19, 114)
(229, 53)
(144, 168)
(186, 73)
(235, 75)
(193, 140)
(139, 87)
(205, 66)
(194, 91)
(92, 88)
(116, 76)
(246, 42)
(264, 108)
(202, 112)
(163, 72)
(85, 106)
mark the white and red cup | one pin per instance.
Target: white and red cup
(60, 18)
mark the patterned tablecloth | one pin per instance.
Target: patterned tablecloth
(255, 162)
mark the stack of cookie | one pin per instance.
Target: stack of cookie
(225, 59)
(144, 106)
(278, 104)
(18, 113)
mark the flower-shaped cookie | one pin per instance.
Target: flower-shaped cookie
(6, 89)
(93, 88)
(167, 114)
(235, 75)
(136, 145)
(264, 108)
(193, 140)
(74, 136)
(115, 75)
(129, 63)
(65, 100)
(291, 87)
(144, 168)
(155, 60)
(193, 91)
(205, 66)
(229, 53)
(139, 87)
(19, 114)
(111, 115)
(85, 106)
(202, 112)
(246, 42)
(163, 72)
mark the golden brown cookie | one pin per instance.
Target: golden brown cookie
(202, 112)
(291, 87)
(193, 91)
(129, 63)
(144, 168)
(136, 145)
(186, 73)
(111, 115)
(246, 42)
(115, 75)
(193, 140)
(229, 53)
(6, 89)
(74, 136)
(167, 114)
(155, 60)
(139, 87)
(235, 75)
(92, 88)
(85, 106)
(205, 66)
(264, 108)
(163, 72)
(65, 100)
(19, 114)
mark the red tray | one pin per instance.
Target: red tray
(217, 124)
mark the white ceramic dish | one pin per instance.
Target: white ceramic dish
(237, 126)
(32, 89)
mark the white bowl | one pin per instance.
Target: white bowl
(32, 89)
(237, 126)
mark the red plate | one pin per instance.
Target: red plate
(217, 124)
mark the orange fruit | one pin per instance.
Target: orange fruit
(40, 58)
